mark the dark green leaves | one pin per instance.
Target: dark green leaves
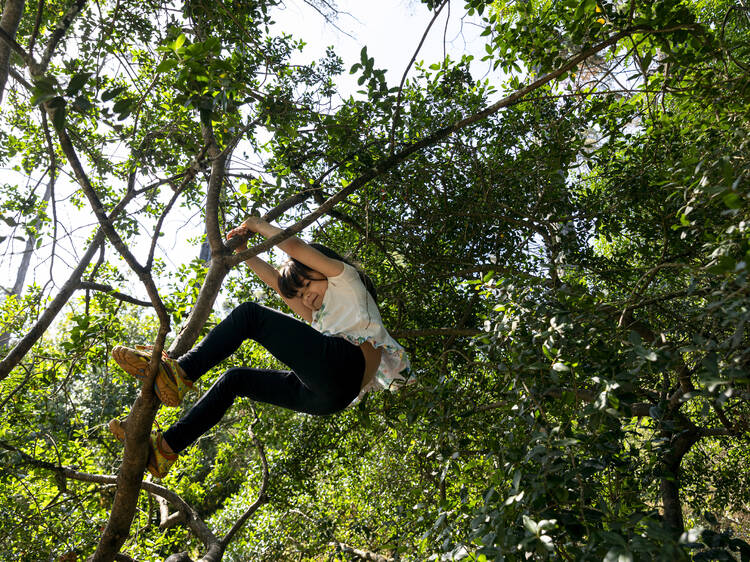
(57, 108)
(45, 88)
(77, 82)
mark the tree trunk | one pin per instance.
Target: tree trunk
(9, 23)
(670, 482)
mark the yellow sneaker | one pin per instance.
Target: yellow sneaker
(159, 460)
(171, 383)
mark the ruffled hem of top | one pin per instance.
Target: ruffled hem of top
(391, 350)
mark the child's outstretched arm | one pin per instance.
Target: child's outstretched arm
(293, 247)
(265, 271)
(268, 274)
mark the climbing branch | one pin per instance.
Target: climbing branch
(388, 163)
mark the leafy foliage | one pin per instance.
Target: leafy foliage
(569, 277)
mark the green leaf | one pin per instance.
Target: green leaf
(179, 42)
(77, 82)
(57, 111)
(82, 103)
(113, 93)
(122, 105)
(725, 264)
(732, 200)
(166, 65)
(45, 88)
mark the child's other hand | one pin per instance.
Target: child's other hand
(243, 231)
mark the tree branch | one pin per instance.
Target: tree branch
(454, 332)
(363, 554)
(390, 162)
(343, 217)
(94, 201)
(193, 519)
(11, 19)
(262, 497)
(37, 23)
(20, 79)
(15, 355)
(397, 111)
(59, 32)
(91, 286)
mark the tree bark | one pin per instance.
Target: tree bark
(670, 482)
(9, 24)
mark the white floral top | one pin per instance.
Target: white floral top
(349, 311)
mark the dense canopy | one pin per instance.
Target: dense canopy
(564, 255)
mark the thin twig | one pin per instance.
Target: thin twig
(397, 111)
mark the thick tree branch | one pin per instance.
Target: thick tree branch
(215, 183)
(390, 162)
(96, 204)
(218, 268)
(11, 18)
(144, 409)
(670, 482)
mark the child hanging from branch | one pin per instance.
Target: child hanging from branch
(342, 350)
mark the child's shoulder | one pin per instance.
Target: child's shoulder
(348, 272)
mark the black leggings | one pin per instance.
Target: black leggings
(326, 371)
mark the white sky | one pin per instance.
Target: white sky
(391, 30)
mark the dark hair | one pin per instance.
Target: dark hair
(294, 273)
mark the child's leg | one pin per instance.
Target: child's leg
(221, 342)
(327, 370)
(282, 388)
(310, 354)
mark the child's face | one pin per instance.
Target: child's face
(313, 290)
